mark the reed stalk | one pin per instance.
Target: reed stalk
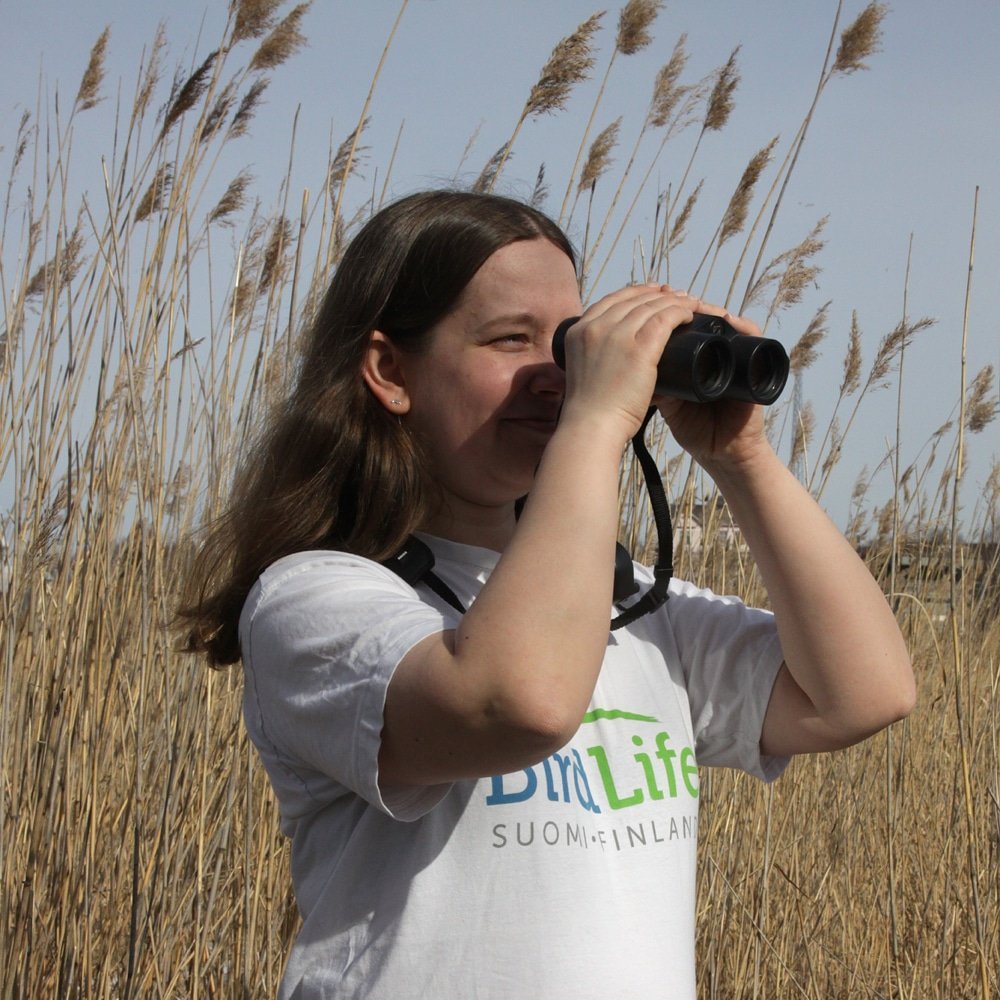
(957, 617)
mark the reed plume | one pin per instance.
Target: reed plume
(599, 157)
(488, 175)
(836, 439)
(890, 347)
(151, 74)
(668, 107)
(61, 269)
(669, 232)
(860, 40)
(800, 358)
(155, 196)
(232, 200)
(804, 352)
(253, 18)
(718, 108)
(856, 529)
(190, 92)
(735, 216)
(721, 101)
(88, 94)
(274, 258)
(243, 297)
(852, 359)
(216, 117)
(540, 192)
(347, 160)
(336, 243)
(982, 405)
(20, 148)
(634, 22)
(569, 64)
(678, 229)
(251, 100)
(668, 92)
(885, 516)
(283, 42)
(790, 273)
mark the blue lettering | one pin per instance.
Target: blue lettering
(564, 764)
(498, 796)
(583, 792)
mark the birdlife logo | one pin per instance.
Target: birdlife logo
(617, 763)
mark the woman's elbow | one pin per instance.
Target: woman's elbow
(904, 702)
(541, 729)
(894, 696)
(893, 704)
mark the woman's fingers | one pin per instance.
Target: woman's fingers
(739, 323)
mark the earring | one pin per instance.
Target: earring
(396, 402)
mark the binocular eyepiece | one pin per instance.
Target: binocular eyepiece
(707, 360)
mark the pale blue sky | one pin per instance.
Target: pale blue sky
(894, 151)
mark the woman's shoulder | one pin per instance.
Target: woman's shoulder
(327, 572)
(319, 561)
(330, 598)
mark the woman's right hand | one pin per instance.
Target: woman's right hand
(612, 352)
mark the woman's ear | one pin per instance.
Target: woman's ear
(383, 372)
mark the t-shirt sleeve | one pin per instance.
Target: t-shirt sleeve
(730, 655)
(322, 634)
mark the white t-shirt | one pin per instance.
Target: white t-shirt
(574, 878)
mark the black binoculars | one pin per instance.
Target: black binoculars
(707, 360)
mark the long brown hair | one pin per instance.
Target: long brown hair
(333, 469)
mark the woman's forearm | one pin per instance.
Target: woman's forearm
(841, 644)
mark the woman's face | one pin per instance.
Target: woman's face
(484, 397)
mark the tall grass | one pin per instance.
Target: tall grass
(140, 850)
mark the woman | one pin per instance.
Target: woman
(503, 802)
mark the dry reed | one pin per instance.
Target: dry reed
(282, 42)
(253, 18)
(88, 94)
(599, 158)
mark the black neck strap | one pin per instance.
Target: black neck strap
(663, 570)
(443, 590)
(414, 562)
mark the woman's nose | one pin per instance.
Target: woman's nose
(548, 379)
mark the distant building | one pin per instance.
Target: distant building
(701, 522)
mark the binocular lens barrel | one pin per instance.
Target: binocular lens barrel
(707, 359)
(766, 370)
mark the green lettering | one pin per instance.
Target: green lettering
(667, 756)
(689, 771)
(615, 801)
(647, 769)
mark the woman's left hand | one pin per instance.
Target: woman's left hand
(722, 431)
